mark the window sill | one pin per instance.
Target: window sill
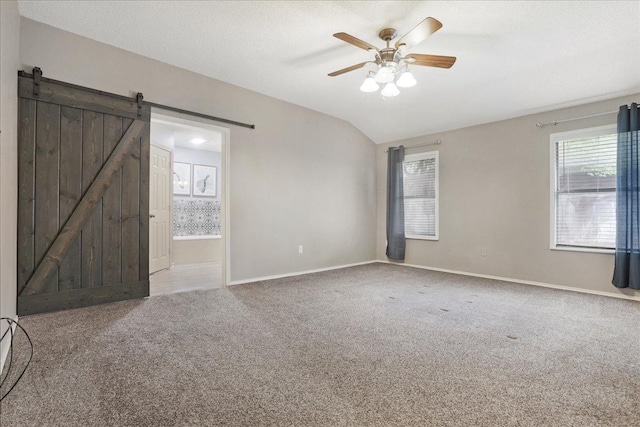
(421, 238)
(579, 249)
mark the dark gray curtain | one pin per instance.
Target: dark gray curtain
(626, 273)
(395, 204)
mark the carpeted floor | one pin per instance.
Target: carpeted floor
(375, 345)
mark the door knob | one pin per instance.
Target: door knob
(152, 216)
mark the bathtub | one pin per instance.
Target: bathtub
(196, 249)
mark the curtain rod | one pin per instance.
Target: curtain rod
(438, 142)
(555, 122)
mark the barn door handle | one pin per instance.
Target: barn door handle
(152, 216)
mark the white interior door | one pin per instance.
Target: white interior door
(160, 210)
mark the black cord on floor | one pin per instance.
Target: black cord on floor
(12, 322)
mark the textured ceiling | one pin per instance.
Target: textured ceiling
(514, 58)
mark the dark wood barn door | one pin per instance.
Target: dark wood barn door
(83, 196)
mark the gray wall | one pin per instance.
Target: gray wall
(300, 177)
(9, 65)
(495, 193)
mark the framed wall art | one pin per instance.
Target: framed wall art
(181, 178)
(204, 181)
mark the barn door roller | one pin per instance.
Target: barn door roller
(139, 98)
(37, 74)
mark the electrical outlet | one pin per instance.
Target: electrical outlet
(483, 252)
(300, 249)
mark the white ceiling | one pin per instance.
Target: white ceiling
(514, 58)
(168, 133)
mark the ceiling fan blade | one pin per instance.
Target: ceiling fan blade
(420, 32)
(355, 41)
(346, 70)
(430, 60)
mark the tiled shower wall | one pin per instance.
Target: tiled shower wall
(196, 217)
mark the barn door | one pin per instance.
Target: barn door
(83, 196)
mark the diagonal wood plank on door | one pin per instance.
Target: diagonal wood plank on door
(69, 273)
(85, 208)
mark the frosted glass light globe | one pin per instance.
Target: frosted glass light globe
(390, 90)
(384, 75)
(369, 85)
(406, 80)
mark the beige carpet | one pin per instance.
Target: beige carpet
(376, 345)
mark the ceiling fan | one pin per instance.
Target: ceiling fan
(392, 62)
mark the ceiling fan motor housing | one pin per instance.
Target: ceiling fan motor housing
(389, 54)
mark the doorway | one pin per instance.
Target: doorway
(191, 251)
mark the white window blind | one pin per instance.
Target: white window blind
(421, 195)
(585, 190)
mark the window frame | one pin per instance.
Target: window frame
(554, 138)
(424, 156)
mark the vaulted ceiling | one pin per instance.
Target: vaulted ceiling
(514, 58)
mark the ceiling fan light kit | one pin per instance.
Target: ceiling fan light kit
(391, 62)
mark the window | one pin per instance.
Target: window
(421, 195)
(584, 189)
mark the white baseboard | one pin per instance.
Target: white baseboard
(5, 345)
(523, 282)
(299, 273)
